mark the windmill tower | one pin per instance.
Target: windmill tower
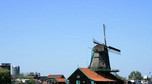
(100, 57)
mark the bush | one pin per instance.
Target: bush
(5, 76)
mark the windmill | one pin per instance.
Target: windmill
(100, 57)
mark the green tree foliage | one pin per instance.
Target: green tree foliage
(4, 76)
(28, 77)
(32, 82)
(120, 77)
(31, 74)
(22, 76)
(135, 75)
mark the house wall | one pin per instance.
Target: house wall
(61, 83)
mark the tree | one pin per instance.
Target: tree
(31, 74)
(5, 77)
(23, 76)
(32, 82)
(135, 75)
(120, 77)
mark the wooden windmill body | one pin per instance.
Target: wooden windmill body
(100, 57)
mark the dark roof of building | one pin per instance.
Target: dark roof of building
(55, 76)
(94, 76)
(61, 79)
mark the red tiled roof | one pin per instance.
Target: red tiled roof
(94, 76)
(61, 79)
(55, 76)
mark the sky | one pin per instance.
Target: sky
(56, 36)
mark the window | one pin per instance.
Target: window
(77, 82)
(83, 82)
(92, 82)
(78, 76)
(67, 81)
(51, 80)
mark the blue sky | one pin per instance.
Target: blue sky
(55, 36)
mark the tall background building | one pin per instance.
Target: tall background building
(6, 66)
(15, 70)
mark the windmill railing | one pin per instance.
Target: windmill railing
(106, 70)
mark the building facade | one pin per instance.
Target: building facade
(15, 70)
(6, 66)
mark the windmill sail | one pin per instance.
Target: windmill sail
(114, 49)
(95, 41)
(104, 34)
